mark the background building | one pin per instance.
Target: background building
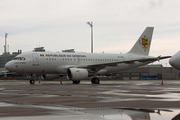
(5, 58)
(149, 72)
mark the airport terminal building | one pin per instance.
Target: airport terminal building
(149, 72)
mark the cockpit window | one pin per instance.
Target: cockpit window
(19, 58)
(16, 58)
(23, 58)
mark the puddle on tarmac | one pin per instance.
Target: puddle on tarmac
(1, 88)
(98, 113)
(167, 97)
(156, 97)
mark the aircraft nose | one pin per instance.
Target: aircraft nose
(175, 61)
(8, 66)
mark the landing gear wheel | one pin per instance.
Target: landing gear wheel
(31, 81)
(76, 82)
(95, 81)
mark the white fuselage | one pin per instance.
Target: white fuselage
(57, 63)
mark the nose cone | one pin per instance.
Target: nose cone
(175, 61)
(8, 65)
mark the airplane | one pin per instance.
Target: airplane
(174, 60)
(79, 66)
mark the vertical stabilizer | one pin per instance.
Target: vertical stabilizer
(142, 45)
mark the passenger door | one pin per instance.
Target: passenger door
(35, 59)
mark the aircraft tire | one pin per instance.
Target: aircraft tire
(31, 81)
(76, 82)
(95, 81)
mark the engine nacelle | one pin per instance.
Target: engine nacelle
(77, 73)
(50, 76)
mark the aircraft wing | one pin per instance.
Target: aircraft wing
(102, 65)
(154, 59)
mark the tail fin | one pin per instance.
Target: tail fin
(143, 44)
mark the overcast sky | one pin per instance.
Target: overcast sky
(62, 24)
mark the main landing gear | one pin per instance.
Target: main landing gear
(76, 82)
(95, 80)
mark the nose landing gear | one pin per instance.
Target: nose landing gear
(32, 81)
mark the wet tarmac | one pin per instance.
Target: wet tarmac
(110, 100)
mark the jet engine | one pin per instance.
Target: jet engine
(77, 73)
(50, 76)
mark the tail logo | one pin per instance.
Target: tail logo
(144, 43)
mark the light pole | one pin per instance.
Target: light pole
(6, 34)
(91, 25)
(5, 52)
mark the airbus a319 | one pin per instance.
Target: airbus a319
(78, 66)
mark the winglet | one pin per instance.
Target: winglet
(142, 45)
